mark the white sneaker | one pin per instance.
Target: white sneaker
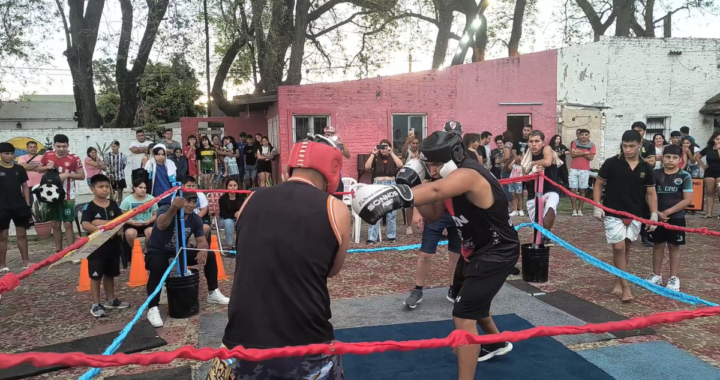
(574, 213)
(579, 213)
(655, 279)
(673, 284)
(514, 213)
(216, 297)
(521, 213)
(153, 315)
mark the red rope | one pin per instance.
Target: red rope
(703, 231)
(11, 281)
(456, 338)
(184, 189)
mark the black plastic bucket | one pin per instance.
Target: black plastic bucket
(182, 295)
(535, 263)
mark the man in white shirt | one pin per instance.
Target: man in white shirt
(485, 138)
(138, 149)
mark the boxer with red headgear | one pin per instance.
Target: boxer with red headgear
(290, 238)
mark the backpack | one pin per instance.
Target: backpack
(50, 189)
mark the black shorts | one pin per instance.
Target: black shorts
(105, 267)
(119, 184)
(140, 229)
(475, 284)
(674, 237)
(20, 216)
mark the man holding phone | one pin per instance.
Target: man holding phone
(330, 134)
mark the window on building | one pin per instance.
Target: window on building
(657, 125)
(313, 124)
(401, 126)
(516, 123)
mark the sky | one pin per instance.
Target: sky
(54, 78)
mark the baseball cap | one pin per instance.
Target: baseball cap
(453, 126)
(188, 195)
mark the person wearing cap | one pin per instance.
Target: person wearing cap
(14, 205)
(332, 136)
(162, 247)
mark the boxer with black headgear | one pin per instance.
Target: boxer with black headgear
(490, 244)
(294, 237)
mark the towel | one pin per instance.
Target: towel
(527, 160)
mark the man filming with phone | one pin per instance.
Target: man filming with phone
(332, 136)
(384, 166)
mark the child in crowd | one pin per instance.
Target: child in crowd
(104, 263)
(674, 192)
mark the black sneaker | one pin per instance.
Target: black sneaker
(450, 295)
(370, 242)
(391, 240)
(489, 351)
(97, 310)
(515, 271)
(115, 304)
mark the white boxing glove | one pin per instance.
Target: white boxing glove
(599, 213)
(412, 174)
(372, 202)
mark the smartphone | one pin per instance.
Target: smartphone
(412, 132)
(381, 147)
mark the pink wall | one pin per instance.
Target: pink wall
(361, 110)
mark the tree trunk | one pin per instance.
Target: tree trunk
(516, 33)
(625, 16)
(272, 50)
(297, 52)
(445, 20)
(82, 33)
(459, 59)
(649, 22)
(223, 104)
(598, 26)
(128, 80)
(481, 39)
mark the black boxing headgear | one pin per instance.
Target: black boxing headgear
(442, 147)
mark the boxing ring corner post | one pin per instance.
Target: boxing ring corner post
(539, 210)
(180, 239)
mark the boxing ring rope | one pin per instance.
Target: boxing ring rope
(702, 231)
(456, 338)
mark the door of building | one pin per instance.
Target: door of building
(516, 123)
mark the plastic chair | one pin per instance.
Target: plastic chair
(348, 184)
(78, 216)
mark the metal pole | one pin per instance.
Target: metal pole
(183, 237)
(539, 210)
(207, 60)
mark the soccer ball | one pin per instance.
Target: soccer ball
(49, 193)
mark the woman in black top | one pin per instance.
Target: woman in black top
(471, 141)
(229, 207)
(561, 150)
(180, 163)
(384, 165)
(265, 155)
(712, 170)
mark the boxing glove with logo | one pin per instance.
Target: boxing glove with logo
(372, 202)
(412, 174)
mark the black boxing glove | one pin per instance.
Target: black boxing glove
(372, 202)
(412, 174)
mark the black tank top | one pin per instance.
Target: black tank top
(487, 234)
(552, 172)
(287, 247)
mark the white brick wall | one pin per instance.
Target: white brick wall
(81, 139)
(642, 81)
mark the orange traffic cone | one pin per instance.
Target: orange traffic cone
(221, 268)
(84, 283)
(138, 273)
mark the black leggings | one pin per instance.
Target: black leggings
(157, 263)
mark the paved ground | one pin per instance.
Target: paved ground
(47, 308)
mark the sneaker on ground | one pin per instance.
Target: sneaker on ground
(574, 213)
(153, 315)
(97, 310)
(489, 351)
(514, 213)
(409, 231)
(655, 279)
(216, 297)
(116, 304)
(580, 213)
(547, 242)
(76, 261)
(673, 284)
(413, 299)
(450, 296)
(521, 213)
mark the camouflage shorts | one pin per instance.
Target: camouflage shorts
(313, 367)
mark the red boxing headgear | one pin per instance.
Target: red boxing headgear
(322, 156)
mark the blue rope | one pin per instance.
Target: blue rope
(125, 331)
(682, 297)
(412, 246)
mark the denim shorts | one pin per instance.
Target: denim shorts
(515, 187)
(432, 233)
(250, 171)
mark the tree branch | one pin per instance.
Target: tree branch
(330, 29)
(65, 24)
(156, 12)
(126, 9)
(218, 96)
(93, 15)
